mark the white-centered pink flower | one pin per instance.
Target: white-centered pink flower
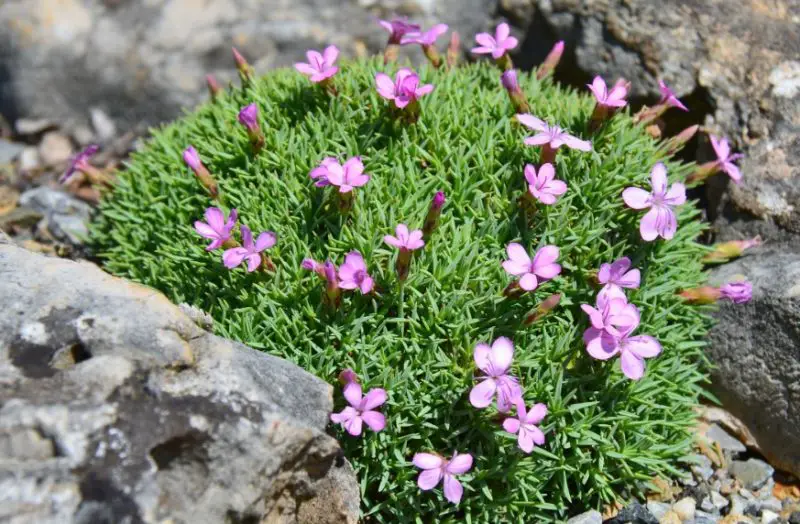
(495, 362)
(525, 425)
(405, 88)
(320, 66)
(496, 45)
(552, 136)
(436, 468)
(534, 271)
(542, 185)
(725, 159)
(617, 275)
(615, 98)
(660, 220)
(361, 409)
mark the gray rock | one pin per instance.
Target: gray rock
(590, 517)
(658, 509)
(768, 517)
(772, 504)
(9, 151)
(726, 442)
(754, 347)
(143, 62)
(752, 473)
(634, 513)
(738, 505)
(33, 126)
(702, 517)
(67, 217)
(794, 518)
(29, 159)
(117, 407)
(55, 149)
(702, 467)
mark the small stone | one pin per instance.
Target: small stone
(55, 149)
(21, 217)
(670, 518)
(768, 517)
(83, 135)
(703, 468)
(9, 151)
(685, 508)
(726, 442)
(752, 473)
(785, 79)
(701, 517)
(103, 125)
(590, 517)
(8, 199)
(772, 504)
(70, 228)
(794, 518)
(658, 509)
(67, 217)
(634, 513)
(727, 486)
(29, 159)
(718, 501)
(33, 126)
(738, 505)
(746, 493)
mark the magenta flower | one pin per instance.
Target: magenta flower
(248, 117)
(192, 159)
(737, 292)
(668, 98)
(616, 276)
(496, 45)
(612, 316)
(660, 220)
(79, 162)
(427, 38)
(495, 362)
(320, 66)
(603, 345)
(346, 177)
(611, 99)
(404, 90)
(405, 240)
(725, 159)
(532, 272)
(542, 186)
(216, 227)
(361, 409)
(310, 264)
(437, 468)
(398, 28)
(353, 273)
(525, 425)
(249, 250)
(510, 81)
(552, 136)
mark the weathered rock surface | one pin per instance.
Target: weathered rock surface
(116, 407)
(141, 61)
(756, 350)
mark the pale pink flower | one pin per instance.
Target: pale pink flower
(737, 292)
(725, 159)
(405, 240)
(532, 272)
(216, 228)
(525, 425)
(427, 38)
(361, 409)
(398, 28)
(616, 276)
(437, 468)
(320, 66)
(496, 45)
(353, 273)
(612, 315)
(249, 250)
(404, 90)
(660, 220)
(668, 98)
(542, 185)
(495, 362)
(612, 99)
(346, 177)
(553, 136)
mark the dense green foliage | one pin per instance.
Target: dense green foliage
(605, 433)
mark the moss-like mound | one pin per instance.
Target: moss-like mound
(604, 432)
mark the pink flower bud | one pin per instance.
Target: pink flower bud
(214, 89)
(432, 218)
(332, 291)
(551, 61)
(737, 292)
(347, 376)
(192, 159)
(730, 250)
(248, 117)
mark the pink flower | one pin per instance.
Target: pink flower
(668, 98)
(215, 227)
(405, 240)
(737, 292)
(725, 159)
(542, 186)
(361, 409)
(660, 220)
(310, 264)
(79, 162)
(192, 159)
(613, 99)
(497, 45)
(398, 28)
(437, 468)
(525, 425)
(613, 316)
(533, 272)
(553, 136)
(428, 38)
(320, 66)
(353, 273)
(616, 276)
(250, 250)
(495, 363)
(248, 117)
(603, 345)
(404, 90)
(346, 177)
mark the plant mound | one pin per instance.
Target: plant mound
(605, 435)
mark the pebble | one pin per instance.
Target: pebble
(670, 518)
(726, 442)
(32, 126)
(738, 505)
(55, 149)
(685, 508)
(103, 125)
(634, 513)
(768, 517)
(703, 468)
(69, 228)
(590, 517)
(702, 517)
(752, 473)
(794, 518)
(67, 217)
(658, 509)
(772, 504)
(9, 151)
(29, 159)
(718, 501)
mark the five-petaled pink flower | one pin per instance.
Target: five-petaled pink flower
(405, 240)
(612, 99)
(495, 362)
(533, 272)
(496, 45)
(353, 273)
(737, 292)
(215, 227)
(617, 275)
(525, 425)
(437, 468)
(428, 38)
(552, 136)
(542, 185)
(404, 90)
(361, 409)
(725, 159)
(613, 316)
(346, 177)
(668, 98)
(603, 345)
(660, 220)
(320, 66)
(249, 250)
(398, 28)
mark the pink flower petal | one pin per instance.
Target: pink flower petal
(373, 399)
(374, 419)
(353, 426)
(205, 230)
(501, 355)
(599, 344)
(366, 285)
(536, 414)
(532, 122)
(676, 194)
(576, 143)
(459, 464)
(233, 257)
(539, 139)
(643, 346)
(511, 425)
(329, 55)
(525, 440)
(545, 256)
(529, 282)
(453, 490)
(518, 254)
(305, 69)
(429, 479)
(658, 179)
(481, 356)
(253, 261)
(352, 393)
(345, 415)
(481, 395)
(502, 32)
(215, 218)
(427, 461)
(632, 365)
(636, 198)
(392, 241)
(385, 86)
(265, 240)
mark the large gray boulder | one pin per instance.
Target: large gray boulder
(116, 407)
(756, 350)
(141, 62)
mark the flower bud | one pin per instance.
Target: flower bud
(347, 376)
(674, 144)
(737, 292)
(214, 89)
(511, 85)
(545, 307)
(432, 219)
(726, 251)
(551, 61)
(192, 159)
(453, 50)
(245, 69)
(700, 295)
(332, 292)
(248, 117)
